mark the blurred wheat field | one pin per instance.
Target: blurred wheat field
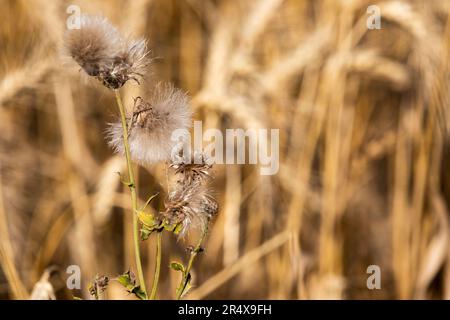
(364, 125)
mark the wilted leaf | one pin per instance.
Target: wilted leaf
(98, 286)
(128, 280)
(146, 219)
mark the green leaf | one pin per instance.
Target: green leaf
(138, 292)
(186, 290)
(177, 266)
(168, 226)
(175, 228)
(128, 280)
(178, 228)
(145, 233)
(187, 286)
(149, 224)
(147, 219)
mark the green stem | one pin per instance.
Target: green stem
(158, 265)
(132, 187)
(181, 288)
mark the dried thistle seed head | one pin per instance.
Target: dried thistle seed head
(94, 45)
(190, 205)
(152, 124)
(209, 206)
(98, 286)
(197, 168)
(129, 64)
(136, 57)
(104, 53)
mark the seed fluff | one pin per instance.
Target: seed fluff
(151, 125)
(102, 52)
(191, 203)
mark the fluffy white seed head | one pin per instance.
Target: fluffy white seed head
(152, 124)
(102, 52)
(190, 205)
(191, 202)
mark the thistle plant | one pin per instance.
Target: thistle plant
(143, 135)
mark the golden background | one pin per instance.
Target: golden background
(364, 173)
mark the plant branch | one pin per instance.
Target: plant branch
(132, 187)
(186, 274)
(158, 265)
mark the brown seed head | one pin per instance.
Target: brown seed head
(102, 52)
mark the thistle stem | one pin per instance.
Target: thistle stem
(158, 265)
(186, 274)
(132, 187)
